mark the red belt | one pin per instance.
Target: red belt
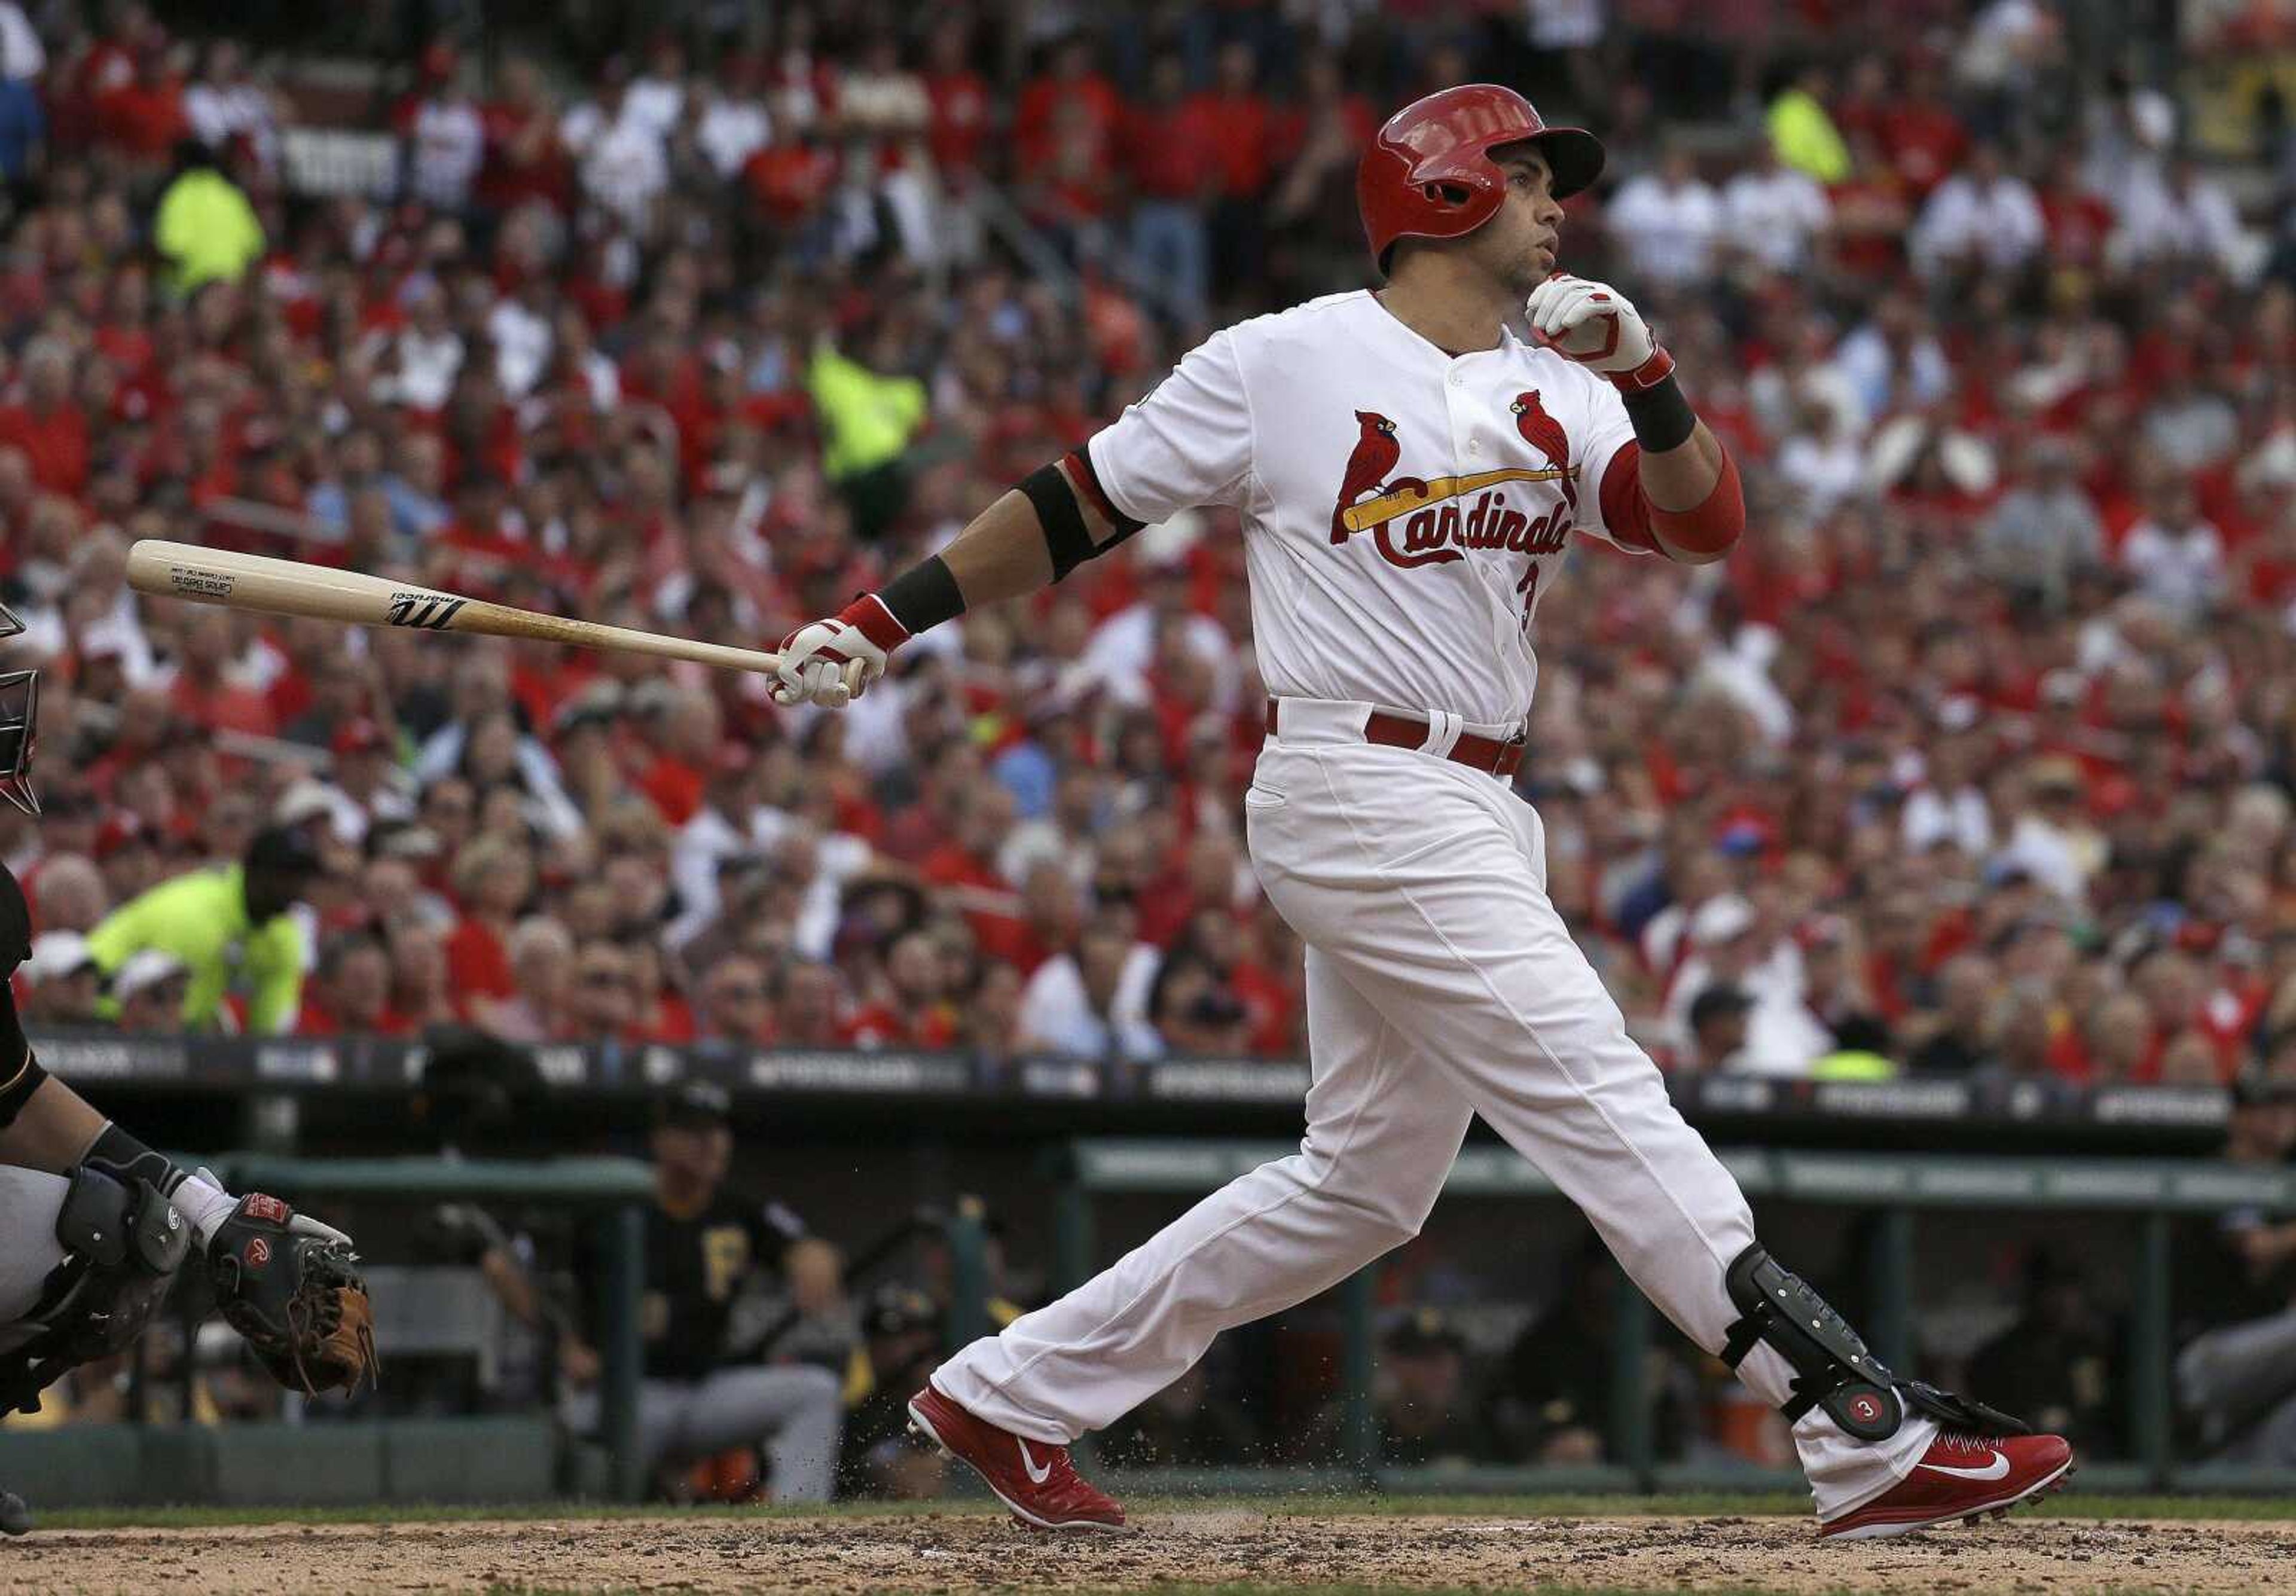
(1490, 754)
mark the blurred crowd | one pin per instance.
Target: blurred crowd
(1974, 759)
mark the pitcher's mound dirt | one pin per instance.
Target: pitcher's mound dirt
(967, 1553)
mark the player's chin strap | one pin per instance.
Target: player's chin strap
(1833, 1369)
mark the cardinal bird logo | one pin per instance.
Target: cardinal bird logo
(1544, 433)
(1376, 451)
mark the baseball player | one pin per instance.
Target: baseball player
(1409, 465)
(94, 1224)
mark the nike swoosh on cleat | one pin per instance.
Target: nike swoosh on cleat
(1038, 1473)
(1996, 1469)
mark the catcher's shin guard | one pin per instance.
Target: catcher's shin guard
(1834, 1367)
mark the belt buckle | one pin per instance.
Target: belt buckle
(1520, 740)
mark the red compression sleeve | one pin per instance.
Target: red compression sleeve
(1711, 526)
(1625, 511)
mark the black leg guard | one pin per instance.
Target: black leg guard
(122, 1248)
(1833, 1369)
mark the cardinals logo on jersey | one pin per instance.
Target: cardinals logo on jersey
(1376, 455)
(1440, 524)
(1544, 433)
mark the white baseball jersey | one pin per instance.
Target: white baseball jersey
(1404, 509)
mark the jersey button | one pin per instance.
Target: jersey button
(1458, 379)
(1475, 446)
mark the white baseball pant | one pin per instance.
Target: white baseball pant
(1441, 983)
(30, 1202)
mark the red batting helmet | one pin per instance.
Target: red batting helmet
(1428, 172)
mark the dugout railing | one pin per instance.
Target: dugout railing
(1895, 1189)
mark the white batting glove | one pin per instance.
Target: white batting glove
(1597, 327)
(832, 663)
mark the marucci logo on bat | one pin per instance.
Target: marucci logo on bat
(429, 611)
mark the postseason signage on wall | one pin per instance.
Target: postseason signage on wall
(1174, 1086)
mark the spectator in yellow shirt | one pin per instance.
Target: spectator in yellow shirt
(228, 926)
(205, 226)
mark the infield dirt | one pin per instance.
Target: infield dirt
(1237, 1548)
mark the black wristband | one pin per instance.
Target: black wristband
(1662, 418)
(924, 595)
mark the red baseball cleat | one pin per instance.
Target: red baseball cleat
(1961, 1476)
(1034, 1479)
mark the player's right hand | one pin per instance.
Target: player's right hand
(832, 662)
(1591, 323)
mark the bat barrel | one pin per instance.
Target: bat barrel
(290, 587)
(244, 581)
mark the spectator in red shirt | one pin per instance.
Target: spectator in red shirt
(961, 102)
(210, 689)
(48, 425)
(2078, 222)
(1170, 158)
(142, 119)
(914, 1011)
(1871, 213)
(687, 737)
(1242, 126)
(659, 1012)
(1919, 134)
(791, 179)
(1071, 192)
(493, 879)
(1068, 79)
(1206, 880)
(542, 965)
(525, 161)
(421, 977)
(351, 995)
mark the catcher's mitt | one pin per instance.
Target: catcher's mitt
(291, 1287)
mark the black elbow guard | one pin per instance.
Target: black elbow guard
(1054, 489)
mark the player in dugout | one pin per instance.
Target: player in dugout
(1410, 465)
(703, 1245)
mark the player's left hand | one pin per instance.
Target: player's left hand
(1591, 323)
(292, 1286)
(831, 662)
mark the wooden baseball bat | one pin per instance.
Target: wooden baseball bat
(241, 582)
